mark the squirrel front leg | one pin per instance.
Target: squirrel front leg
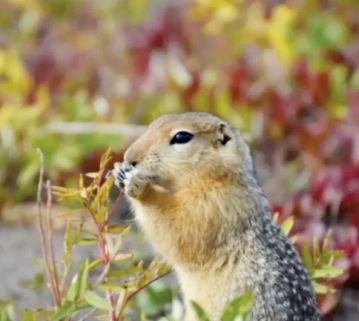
(129, 179)
(136, 183)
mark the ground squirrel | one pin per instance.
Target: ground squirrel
(191, 183)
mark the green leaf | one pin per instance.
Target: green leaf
(27, 316)
(120, 273)
(110, 286)
(83, 276)
(306, 257)
(287, 225)
(87, 241)
(160, 295)
(316, 250)
(200, 313)
(101, 202)
(327, 272)
(37, 284)
(321, 288)
(28, 174)
(143, 316)
(71, 238)
(239, 307)
(96, 301)
(4, 316)
(117, 229)
(71, 213)
(94, 264)
(67, 310)
(79, 286)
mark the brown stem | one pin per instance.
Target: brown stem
(128, 297)
(43, 240)
(113, 209)
(106, 259)
(50, 239)
(112, 312)
(131, 295)
(123, 300)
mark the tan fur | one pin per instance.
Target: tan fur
(189, 203)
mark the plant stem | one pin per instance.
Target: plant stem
(113, 209)
(102, 245)
(127, 297)
(43, 239)
(50, 239)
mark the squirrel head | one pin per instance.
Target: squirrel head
(187, 178)
(177, 149)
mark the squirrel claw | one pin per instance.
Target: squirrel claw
(119, 174)
(129, 180)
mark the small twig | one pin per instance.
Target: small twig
(43, 241)
(102, 247)
(124, 299)
(113, 209)
(106, 259)
(50, 238)
(127, 297)
(130, 296)
(112, 312)
(120, 306)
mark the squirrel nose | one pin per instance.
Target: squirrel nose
(130, 159)
(129, 165)
(132, 164)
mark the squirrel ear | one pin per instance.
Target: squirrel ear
(223, 134)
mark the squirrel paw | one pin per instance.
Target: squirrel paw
(130, 179)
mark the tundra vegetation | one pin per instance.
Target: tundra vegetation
(75, 76)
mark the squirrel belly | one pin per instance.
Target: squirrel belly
(191, 183)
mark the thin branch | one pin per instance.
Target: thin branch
(113, 209)
(103, 251)
(130, 296)
(43, 241)
(112, 312)
(50, 239)
(102, 245)
(125, 299)
(121, 304)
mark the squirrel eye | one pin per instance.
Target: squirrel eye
(181, 138)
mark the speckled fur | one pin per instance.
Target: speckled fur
(202, 208)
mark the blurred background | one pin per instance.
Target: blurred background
(77, 77)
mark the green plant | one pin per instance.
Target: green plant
(102, 287)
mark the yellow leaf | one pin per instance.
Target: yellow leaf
(287, 225)
(91, 175)
(278, 27)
